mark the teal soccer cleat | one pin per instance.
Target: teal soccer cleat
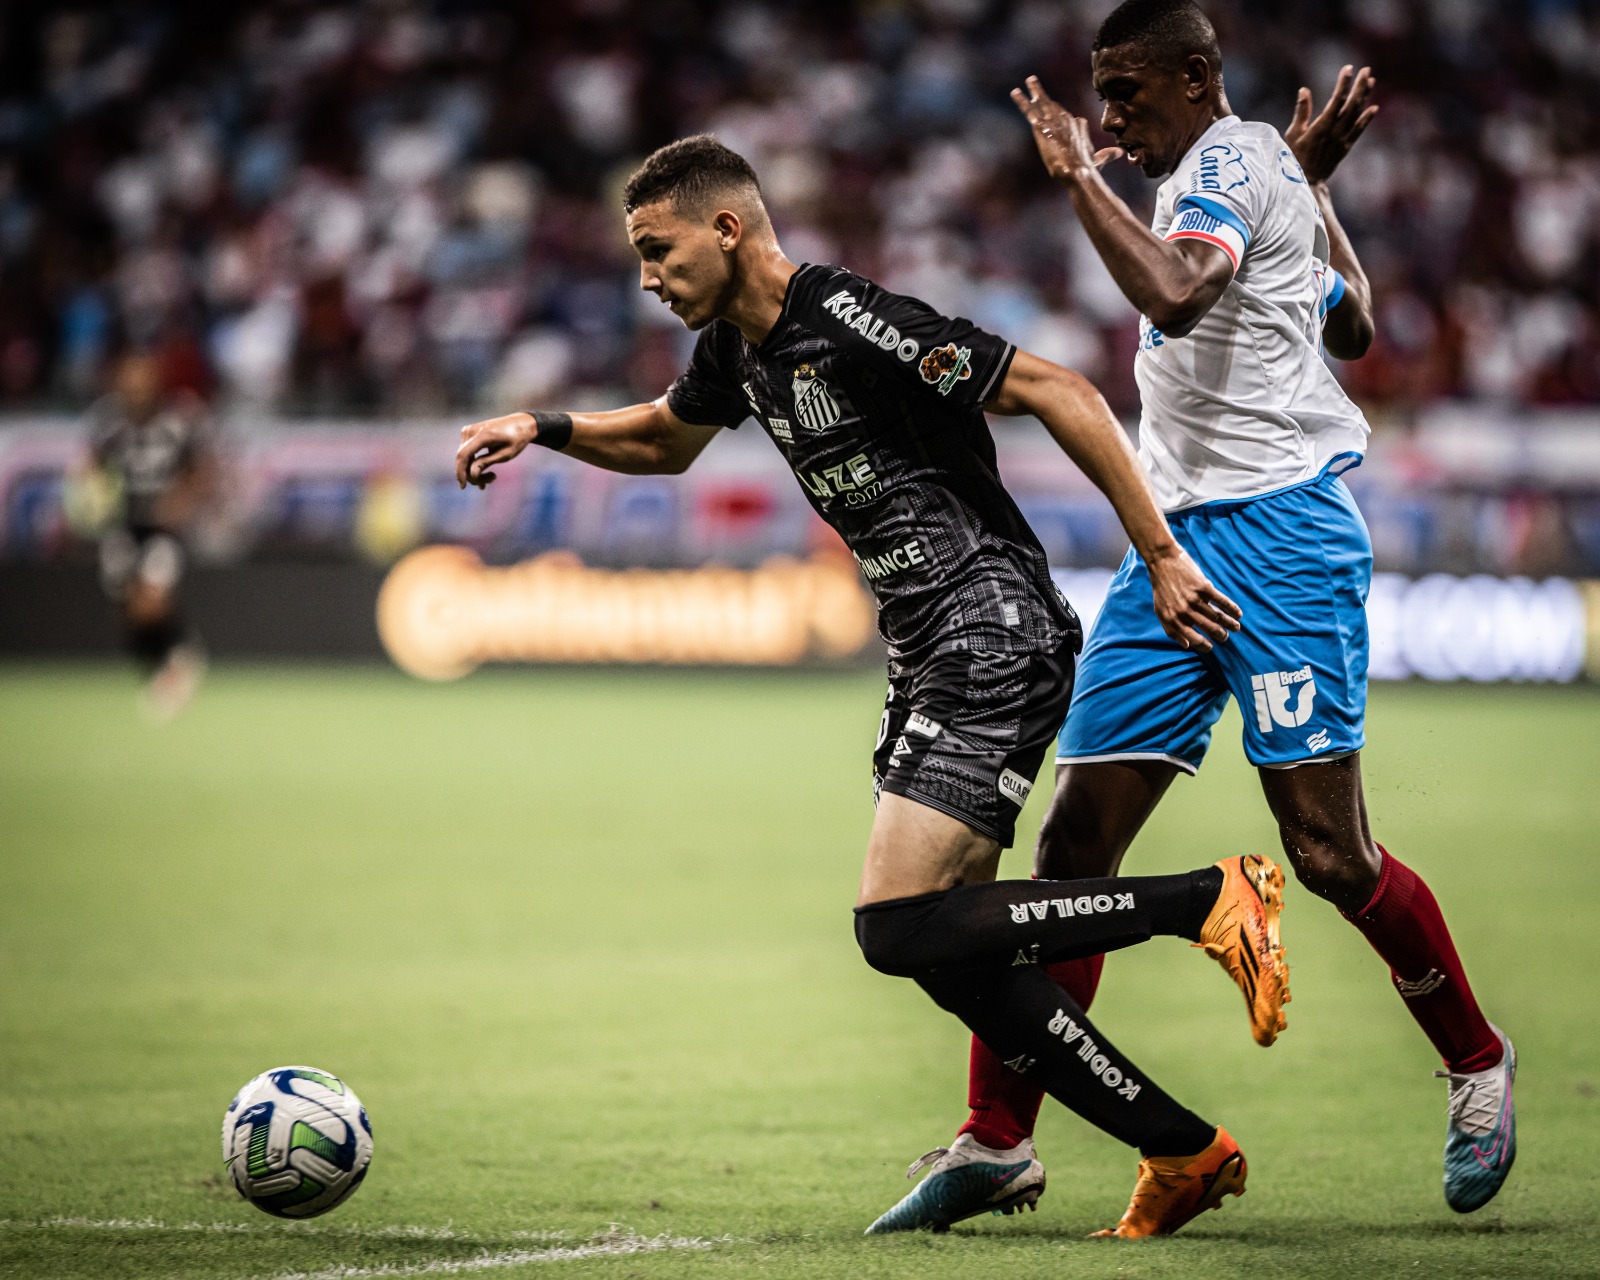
(966, 1179)
(1481, 1142)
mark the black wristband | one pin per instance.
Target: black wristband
(555, 429)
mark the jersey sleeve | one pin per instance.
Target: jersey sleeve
(103, 444)
(199, 431)
(703, 395)
(1332, 291)
(1224, 199)
(943, 359)
(104, 429)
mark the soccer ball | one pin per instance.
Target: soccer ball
(296, 1142)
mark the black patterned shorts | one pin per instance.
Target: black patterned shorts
(966, 732)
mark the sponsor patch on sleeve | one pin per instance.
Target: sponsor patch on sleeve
(945, 366)
(1198, 218)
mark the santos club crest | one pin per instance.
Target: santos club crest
(814, 404)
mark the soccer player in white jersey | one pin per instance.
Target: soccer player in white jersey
(1242, 279)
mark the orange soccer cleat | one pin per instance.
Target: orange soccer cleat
(1241, 934)
(1173, 1190)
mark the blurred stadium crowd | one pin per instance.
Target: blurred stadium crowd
(407, 209)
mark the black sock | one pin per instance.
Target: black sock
(152, 642)
(1026, 921)
(1036, 1028)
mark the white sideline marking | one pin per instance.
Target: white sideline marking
(121, 1224)
(605, 1247)
(274, 1228)
(614, 1243)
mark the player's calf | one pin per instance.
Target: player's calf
(1405, 926)
(1028, 921)
(1322, 824)
(1004, 1103)
(1231, 910)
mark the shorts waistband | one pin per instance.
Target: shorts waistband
(1335, 468)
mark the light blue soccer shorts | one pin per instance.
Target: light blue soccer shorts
(1298, 563)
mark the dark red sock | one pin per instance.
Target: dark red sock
(1405, 926)
(1005, 1105)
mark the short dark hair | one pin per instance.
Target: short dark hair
(1169, 31)
(690, 172)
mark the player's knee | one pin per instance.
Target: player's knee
(894, 938)
(1339, 870)
(1052, 855)
(1070, 846)
(1068, 851)
(146, 604)
(1094, 815)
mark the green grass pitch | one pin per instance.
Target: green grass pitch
(582, 943)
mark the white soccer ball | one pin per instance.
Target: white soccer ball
(296, 1142)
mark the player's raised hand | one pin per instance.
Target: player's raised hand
(1062, 138)
(1191, 610)
(489, 443)
(1319, 143)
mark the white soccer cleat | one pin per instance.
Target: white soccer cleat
(174, 685)
(1481, 1140)
(966, 1179)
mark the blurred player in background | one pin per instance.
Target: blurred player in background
(877, 403)
(153, 457)
(1242, 279)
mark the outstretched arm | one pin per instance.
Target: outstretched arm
(1319, 144)
(643, 439)
(1192, 611)
(1173, 282)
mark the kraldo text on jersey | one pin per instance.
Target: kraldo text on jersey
(876, 400)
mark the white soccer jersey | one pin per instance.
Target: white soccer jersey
(1245, 403)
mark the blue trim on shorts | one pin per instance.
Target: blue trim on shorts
(1337, 465)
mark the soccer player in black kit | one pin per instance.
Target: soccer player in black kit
(153, 449)
(877, 402)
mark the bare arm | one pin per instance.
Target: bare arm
(1173, 282)
(1348, 331)
(195, 487)
(1319, 144)
(643, 439)
(199, 482)
(1192, 611)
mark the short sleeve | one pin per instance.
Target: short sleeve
(1332, 290)
(199, 432)
(1223, 197)
(703, 395)
(102, 443)
(947, 359)
(104, 428)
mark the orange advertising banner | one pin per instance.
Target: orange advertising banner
(442, 612)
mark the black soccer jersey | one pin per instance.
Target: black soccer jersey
(149, 456)
(876, 400)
